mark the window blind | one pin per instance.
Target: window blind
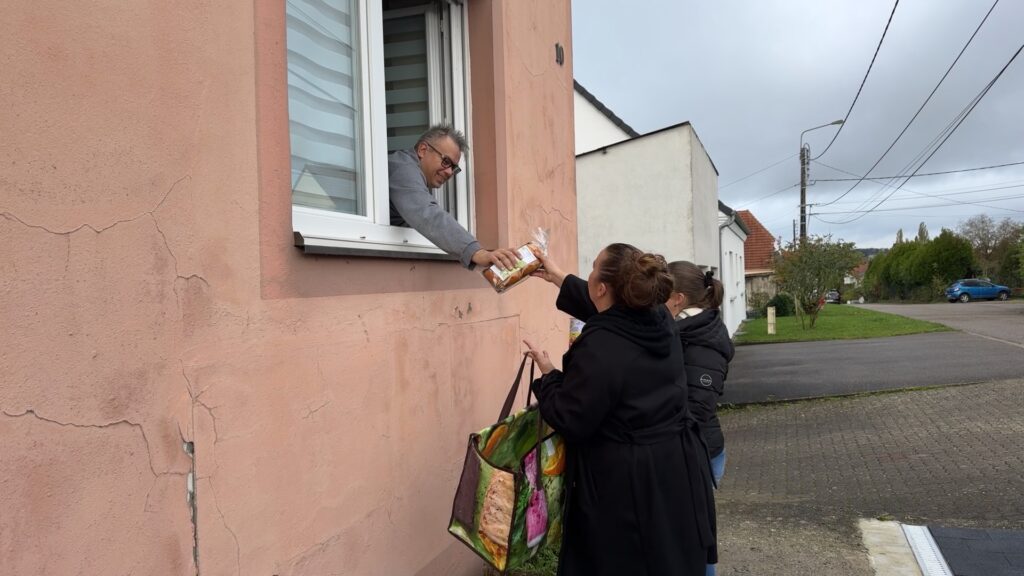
(324, 104)
(406, 77)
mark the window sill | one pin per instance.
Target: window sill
(330, 247)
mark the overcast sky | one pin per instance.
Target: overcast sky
(751, 75)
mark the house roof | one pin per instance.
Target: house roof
(859, 270)
(605, 110)
(759, 249)
(633, 134)
(603, 149)
(729, 212)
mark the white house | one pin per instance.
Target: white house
(733, 233)
(658, 191)
(596, 126)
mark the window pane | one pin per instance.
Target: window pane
(417, 76)
(324, 108)
(406, 79)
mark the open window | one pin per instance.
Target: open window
(366, 78)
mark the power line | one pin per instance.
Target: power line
(946, 205)
(852, 104)
(873, 178)
(756, 200)
(946, 193)
(924, 194)
(981, 95)
(923, 104)
(757, 172)
(934, 145)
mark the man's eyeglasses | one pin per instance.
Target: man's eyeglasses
(446, 162)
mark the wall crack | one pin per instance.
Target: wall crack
(191, 485)
(15, 218)
(238, 548)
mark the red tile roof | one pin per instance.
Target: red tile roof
(759, 248)
(859, 270)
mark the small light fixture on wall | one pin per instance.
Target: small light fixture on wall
(559, 54)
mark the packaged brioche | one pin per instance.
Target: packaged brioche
(527, 264)
(575, 329)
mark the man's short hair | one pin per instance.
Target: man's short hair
(441, 131)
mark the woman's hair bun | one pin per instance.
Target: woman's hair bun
(637, 279)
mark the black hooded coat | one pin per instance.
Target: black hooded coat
(707, 351)
(639, 498)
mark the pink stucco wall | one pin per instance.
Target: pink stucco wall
(150, 296)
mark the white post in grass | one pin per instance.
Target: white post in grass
(771, 320)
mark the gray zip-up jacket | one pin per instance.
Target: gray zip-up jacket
(413, 205)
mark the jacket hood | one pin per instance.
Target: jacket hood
(649, 329)
(706, 329)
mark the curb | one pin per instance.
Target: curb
(888, 549)
(896, 549)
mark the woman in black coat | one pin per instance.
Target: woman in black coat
(707, 351)
(639, 498)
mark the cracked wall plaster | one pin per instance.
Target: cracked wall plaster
(61, 482)
(130, 236)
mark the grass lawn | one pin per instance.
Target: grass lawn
(544, 564)
(836, 322)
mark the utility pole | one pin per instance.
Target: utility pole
(794, 232)
(805, 159)
(805, 152)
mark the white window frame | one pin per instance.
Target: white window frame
(325, 229)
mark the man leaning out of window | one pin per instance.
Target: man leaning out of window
(429, 164)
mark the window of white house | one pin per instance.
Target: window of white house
(366, 78)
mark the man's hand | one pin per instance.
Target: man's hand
(550, 271)
(540, 357)
(501, 257)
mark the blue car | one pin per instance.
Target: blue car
(973, 289)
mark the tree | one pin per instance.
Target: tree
(991, 241)
(919, 270)
(950, 256)
(874, 287)
(900, 274)
(980, 231)
(808, 268)
(899, 236)
(1020, 254)
(922, 233)
(1005, 254)
(1009, 267)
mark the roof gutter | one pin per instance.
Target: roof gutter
(721, 228)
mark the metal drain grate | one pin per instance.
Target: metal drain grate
(929, 558)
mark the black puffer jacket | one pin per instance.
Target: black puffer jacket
(707, 351)
(639, 496)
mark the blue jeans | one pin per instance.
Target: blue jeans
(717, 470)
(718, 466)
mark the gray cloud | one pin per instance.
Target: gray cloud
(751, 76)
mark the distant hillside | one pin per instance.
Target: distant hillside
(870, 252)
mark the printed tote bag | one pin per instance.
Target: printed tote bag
(509, 501)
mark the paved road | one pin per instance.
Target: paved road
(799, 476)
(991, 349)
(1001, 320)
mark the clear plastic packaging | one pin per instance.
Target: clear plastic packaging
(575, 329)
(528, 263)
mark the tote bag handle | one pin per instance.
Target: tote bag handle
(511, 398)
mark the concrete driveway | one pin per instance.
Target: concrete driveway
(1000, 320)
(800, 476)
(990, 347)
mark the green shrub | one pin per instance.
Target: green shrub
(852, 293)
(757, 302)
(784, 305)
